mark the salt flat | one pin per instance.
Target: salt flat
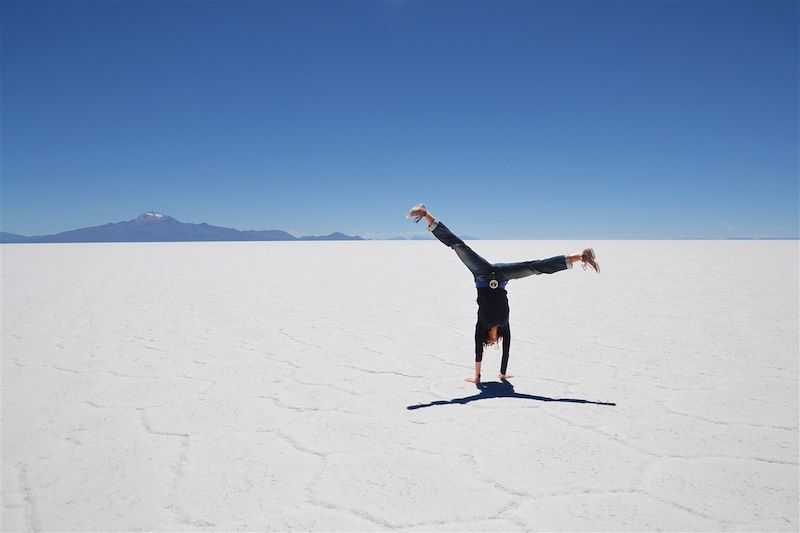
(319, 386)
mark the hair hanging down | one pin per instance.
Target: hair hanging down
(497, 343)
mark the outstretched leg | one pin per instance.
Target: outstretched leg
(546, 266)
(539, 266)
(475, 263)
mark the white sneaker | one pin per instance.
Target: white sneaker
(588, 258)
(418, 212)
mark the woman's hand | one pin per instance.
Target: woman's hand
(477, 378)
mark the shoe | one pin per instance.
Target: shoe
(418, 212)
(588, 258)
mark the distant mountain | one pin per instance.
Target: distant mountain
(332, 237)
(11, 237)
(156, 227)
(427, 238)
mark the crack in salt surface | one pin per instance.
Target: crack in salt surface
(657, 456)
(290, 337)
(177, 468)
(271, 357)
(388, 372)
(635, 491)
(442, 360)
(114, 373)
(645, 451)
(31, 513)
(297, 446)
(369, 333)
(334, 387)
(628, 350)
(150, 406)
(310, 499)
(722, 423)
(766, 402)
(299, 409)
(687, 509)
(586, 491)
(516, 497)
(355, 512)
(149, 429)
(97, 406)
(661, 387)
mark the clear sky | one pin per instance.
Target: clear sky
(510, 119)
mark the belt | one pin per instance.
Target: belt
(479, 284)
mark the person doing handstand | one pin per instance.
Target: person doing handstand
(490, 280)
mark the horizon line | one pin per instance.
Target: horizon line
(383, 236)
(364, 239)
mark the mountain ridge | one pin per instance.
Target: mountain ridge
(152, 226)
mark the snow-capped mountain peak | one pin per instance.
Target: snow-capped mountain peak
(151, 216)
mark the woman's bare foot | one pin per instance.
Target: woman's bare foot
(503, 377)
(475, 380)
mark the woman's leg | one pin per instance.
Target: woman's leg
(475, 263)
(528, 268)
(545, 266)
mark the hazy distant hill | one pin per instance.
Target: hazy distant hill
(156, 227)
(11, 237)
(427, 238)
(332, 237)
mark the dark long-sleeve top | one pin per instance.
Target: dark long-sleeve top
(492, 311)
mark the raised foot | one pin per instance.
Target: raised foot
(588, 258)
(418, 212)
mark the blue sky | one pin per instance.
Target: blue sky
(510, 119)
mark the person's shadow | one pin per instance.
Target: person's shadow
(500, 389)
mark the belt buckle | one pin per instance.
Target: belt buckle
(493, 284)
